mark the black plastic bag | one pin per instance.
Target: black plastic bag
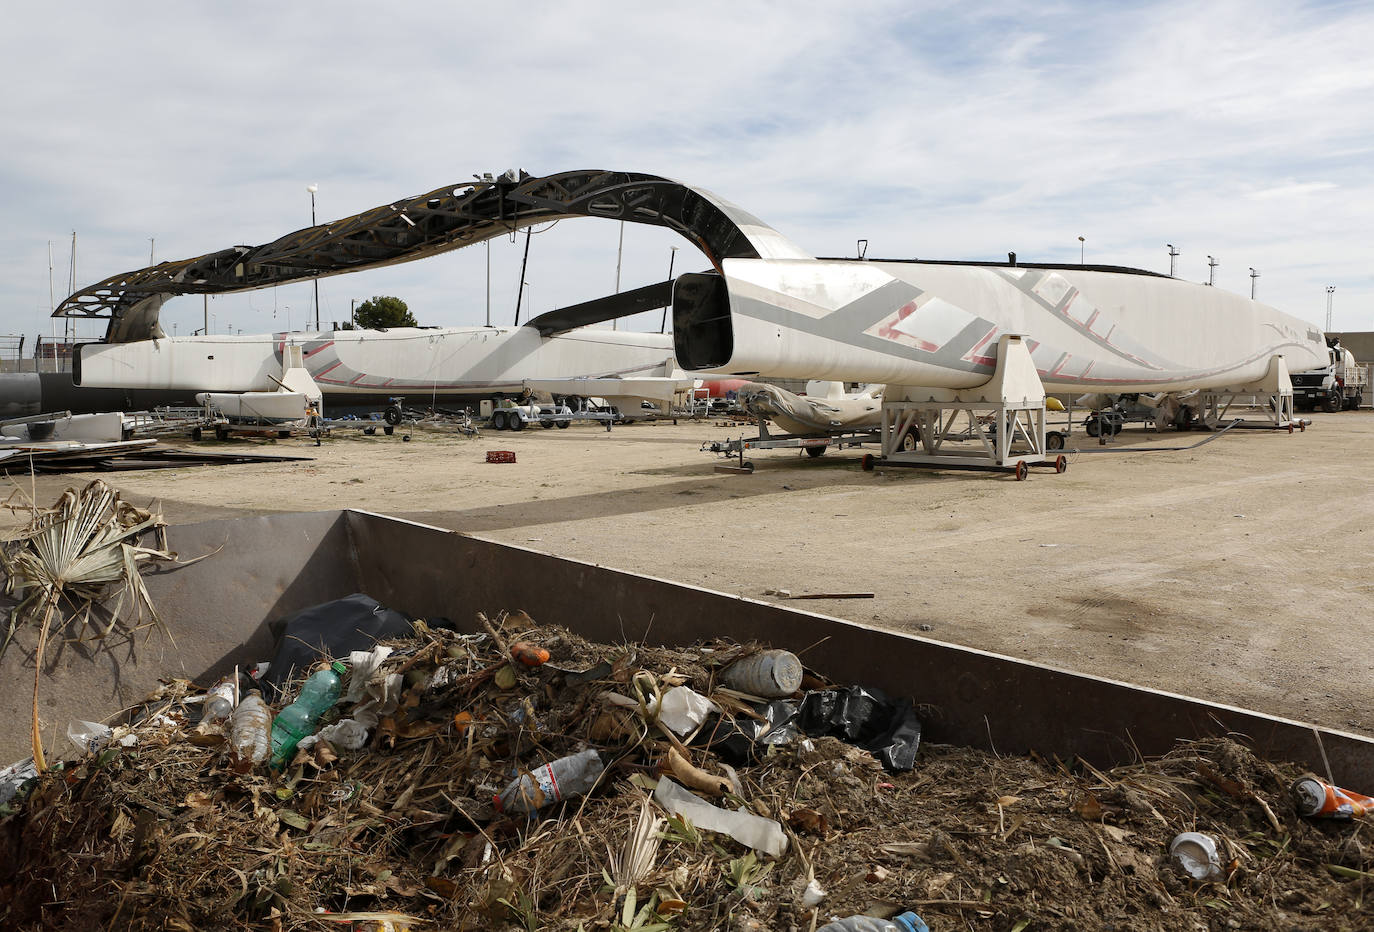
(333, 629)
(865, 718)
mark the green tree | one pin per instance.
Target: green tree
(377, 313)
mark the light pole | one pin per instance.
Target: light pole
(1212, 264)
(1253, 275)
(1330, 290)
(1173, 254)
(1082, 245)
(672, 256)
(312, 188)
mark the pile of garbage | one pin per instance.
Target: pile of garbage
(517, 776)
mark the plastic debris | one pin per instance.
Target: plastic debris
(866, 718)
(765, 835)
(682, 710)
(89, 737)
(565, 778)
(768, 674)
(906, 922)
(250, 729)
(299, 719)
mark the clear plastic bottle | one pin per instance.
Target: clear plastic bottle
(906, 922)
(565, 778)
(219, 701)
(301, 717)
(248, 728)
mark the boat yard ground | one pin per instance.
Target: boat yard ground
(1236, 571)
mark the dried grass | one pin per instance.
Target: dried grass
(402, 834)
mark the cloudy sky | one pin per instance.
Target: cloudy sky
(1241, 130)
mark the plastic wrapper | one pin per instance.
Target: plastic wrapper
(766, 835)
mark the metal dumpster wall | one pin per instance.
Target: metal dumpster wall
(982, 699)
(217, 611)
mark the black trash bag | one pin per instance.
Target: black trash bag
(333, 629)
(743, 741)
(866, 718)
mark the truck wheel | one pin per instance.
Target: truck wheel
(1331, 403)
(1054, 440)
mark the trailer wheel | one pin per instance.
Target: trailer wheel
(866, 464)
(498, 420)
(1054, 440)
(517, 421)
(1022, 470)
(392, 415)
(388, 430)
(196, 433)
(563, 423)
(1061, 464)
(547, 425)
(1093, 425)
(910, 441)
(816, 452)
(283, 434)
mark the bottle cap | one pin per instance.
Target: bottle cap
(338, 667)
(910, 922)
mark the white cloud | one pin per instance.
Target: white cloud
(935, 130)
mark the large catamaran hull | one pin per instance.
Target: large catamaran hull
(937, 325)
(360, 367)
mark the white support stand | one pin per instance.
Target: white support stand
(1274, 393)
(999, 425)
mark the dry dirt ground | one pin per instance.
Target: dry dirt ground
(1236, 570)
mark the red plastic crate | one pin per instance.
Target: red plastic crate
(500, 456)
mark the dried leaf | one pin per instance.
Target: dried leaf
(293, 819)
(809, 821)
(1088, 808)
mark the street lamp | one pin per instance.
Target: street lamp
(312, 188)
(1212, 264)
(1081, 247)
(1173, 254)
(1253, 275)
(1330, 290)
(672, 257)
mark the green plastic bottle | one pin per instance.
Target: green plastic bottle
(301, 717)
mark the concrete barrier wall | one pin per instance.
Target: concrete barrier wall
(268, 567)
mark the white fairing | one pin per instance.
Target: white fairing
(934, 325)
(368, 362)
(267, 406)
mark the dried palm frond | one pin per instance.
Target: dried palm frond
(84, 549)
(633, 862)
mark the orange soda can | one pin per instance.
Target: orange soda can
(1316, 797)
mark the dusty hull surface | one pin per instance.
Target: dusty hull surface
(218, 610)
